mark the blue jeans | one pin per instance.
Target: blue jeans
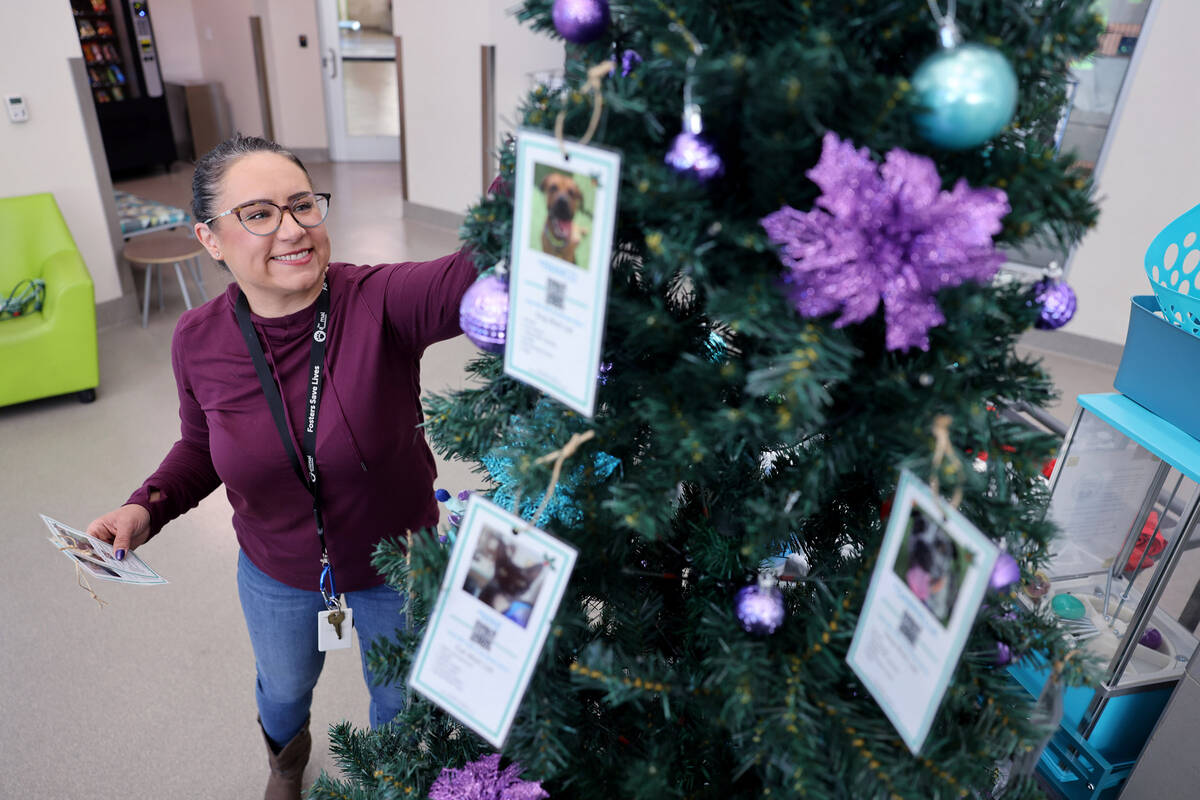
(282, 622)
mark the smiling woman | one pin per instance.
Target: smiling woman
(252, 367)
(277, 258)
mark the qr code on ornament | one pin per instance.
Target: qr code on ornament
(909, 628)
(556, 293)
(483, 635)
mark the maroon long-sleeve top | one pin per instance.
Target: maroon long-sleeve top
(376, 470)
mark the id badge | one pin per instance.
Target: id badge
(334, 633)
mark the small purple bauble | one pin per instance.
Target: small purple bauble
(692, 154)
(758, 608)
(1057, 303)
(1152, 638)
(580, 21)
(1003, 654)
(629, 60)
(1006, 572)
(483, 313)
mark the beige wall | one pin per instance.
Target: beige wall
(297, 102)
(294, 73)
(227, 56)
(442, 113)
(520, 53)
(50, 152)
(178, 48)
(1148, 175)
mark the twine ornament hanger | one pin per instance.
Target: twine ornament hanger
(595, 85)
(943, 449)
(80, 578)
(559, 457)
(947, 23)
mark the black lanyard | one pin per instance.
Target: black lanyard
(308, 443)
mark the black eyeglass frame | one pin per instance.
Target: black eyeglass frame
(237, 212)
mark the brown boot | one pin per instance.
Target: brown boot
(287, 766)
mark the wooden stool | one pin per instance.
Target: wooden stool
(168, 247)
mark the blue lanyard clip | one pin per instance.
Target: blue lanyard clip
(328, 588)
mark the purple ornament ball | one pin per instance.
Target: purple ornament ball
(1006, 572)
(483, 313)
(759, 609)
(1056, 301)
(1152, 638)
(692, 154)
(1003, 654)
(580, 21)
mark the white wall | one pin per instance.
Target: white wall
(50, 152)
(178, 48)
(442, 116)
(1150, 173)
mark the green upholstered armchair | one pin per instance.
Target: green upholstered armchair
(53, 351)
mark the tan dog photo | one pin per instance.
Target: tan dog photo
(561, 235)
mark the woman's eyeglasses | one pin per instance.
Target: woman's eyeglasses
(263, 218)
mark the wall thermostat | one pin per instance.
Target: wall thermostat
(17, 110)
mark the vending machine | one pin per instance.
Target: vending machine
(119, 48)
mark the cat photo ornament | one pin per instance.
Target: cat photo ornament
(925, 593)
(500, 592)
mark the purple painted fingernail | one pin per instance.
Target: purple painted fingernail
(120, 554)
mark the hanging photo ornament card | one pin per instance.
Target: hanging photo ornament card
(926, 589)
(500, 592)
(564, 216)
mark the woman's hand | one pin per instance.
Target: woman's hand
(126, 528)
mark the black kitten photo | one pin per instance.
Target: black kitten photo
(509, 582)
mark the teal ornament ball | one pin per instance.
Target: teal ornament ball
(967, 93)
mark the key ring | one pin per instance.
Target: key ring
(329, 595)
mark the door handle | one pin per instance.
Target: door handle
(333, 62)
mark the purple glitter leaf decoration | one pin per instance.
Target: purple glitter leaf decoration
(885, 233)
(483, 780)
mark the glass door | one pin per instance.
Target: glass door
(362, 92)
(1092, 103)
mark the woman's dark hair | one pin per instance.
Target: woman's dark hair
(212, 166)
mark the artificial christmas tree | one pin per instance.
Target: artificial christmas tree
(761, 388)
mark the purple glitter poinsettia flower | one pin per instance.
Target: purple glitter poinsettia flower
(885, 233)
(483, 780)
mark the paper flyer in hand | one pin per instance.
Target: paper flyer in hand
(926, 589)
(96, 558)
(565, 209)
(500, 592)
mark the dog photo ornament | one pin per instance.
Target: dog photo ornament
(925, 592)
(564, 215)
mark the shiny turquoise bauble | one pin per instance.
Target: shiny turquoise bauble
(966, 93)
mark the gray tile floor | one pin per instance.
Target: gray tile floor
(372, 98)
(370, 82)
(152, 696)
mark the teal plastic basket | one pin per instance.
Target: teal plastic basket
(1173, 267)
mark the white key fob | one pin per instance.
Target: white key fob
(333, 629)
